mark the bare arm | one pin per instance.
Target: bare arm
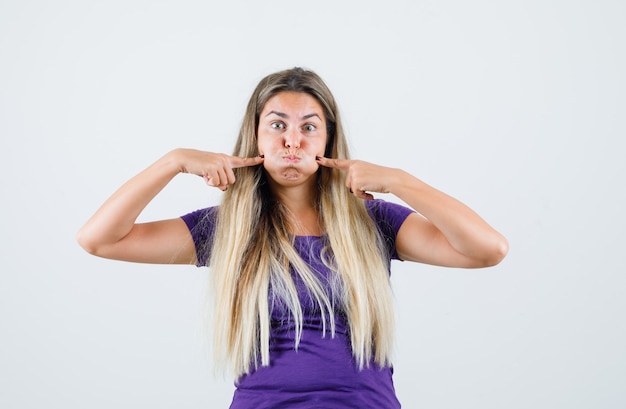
(112, 232)
(444, 232)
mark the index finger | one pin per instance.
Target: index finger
(343, 164)
(237, 162)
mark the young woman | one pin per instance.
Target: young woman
(299, 249)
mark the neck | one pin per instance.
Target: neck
(300, 202)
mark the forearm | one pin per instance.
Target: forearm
(463, 228)
(118, 214)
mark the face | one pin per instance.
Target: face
(292, 131)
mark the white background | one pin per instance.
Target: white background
(514, 107)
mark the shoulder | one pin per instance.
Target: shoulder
(201, 225)
(206, 215)
(201, 222)
(387, 215)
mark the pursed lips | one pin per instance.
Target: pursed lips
(291, 158)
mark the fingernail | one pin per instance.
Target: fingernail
(318, 158)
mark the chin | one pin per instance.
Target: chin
(291, 176)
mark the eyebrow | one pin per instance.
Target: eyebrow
(283, 115)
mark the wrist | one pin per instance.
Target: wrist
(405, 183)
(399, 180)
(173, 161)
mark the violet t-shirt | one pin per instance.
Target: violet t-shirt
(321, 373)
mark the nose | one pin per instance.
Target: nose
(292, 139)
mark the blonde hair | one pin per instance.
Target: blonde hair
(253, 250)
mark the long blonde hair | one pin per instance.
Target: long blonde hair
(253, 250)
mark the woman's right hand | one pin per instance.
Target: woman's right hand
(112, 232)
(215, 168)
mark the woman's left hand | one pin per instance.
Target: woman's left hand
(443, 232)
(362, 177)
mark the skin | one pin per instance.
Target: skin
(112, 232)
(291, 141)
(444, 232)
(291, 134)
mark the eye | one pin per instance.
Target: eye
(309, 127)
(277, 125)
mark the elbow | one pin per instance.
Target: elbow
(86, 242)
(497, 252)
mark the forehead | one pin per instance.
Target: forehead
(298, 104)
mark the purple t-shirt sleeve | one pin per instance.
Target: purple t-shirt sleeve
(389, 218)
(201, 224)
